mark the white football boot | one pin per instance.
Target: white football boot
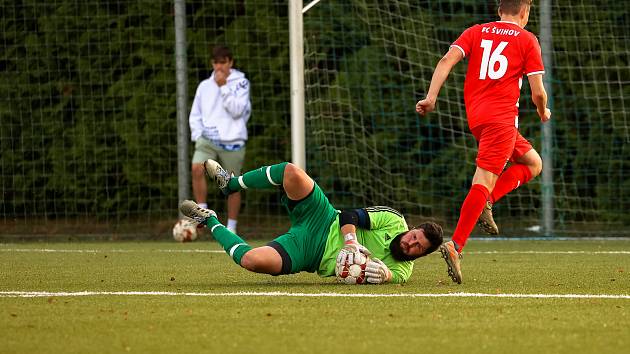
(218, 174)
(195, 212)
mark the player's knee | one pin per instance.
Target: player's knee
(536, 167)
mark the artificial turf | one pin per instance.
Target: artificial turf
(228, 310)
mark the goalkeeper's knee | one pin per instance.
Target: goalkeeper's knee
(238, 252)
(259, 262)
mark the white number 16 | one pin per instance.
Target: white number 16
(490, 58)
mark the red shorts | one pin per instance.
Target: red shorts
(499, 144)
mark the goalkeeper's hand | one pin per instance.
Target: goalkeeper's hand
(376, 272)
(350, 251)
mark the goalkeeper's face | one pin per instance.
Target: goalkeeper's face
(409, 245)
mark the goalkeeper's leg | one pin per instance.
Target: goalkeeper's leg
(260, 260)
(296, 183)
(262, 178)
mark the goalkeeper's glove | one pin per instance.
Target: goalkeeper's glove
(351, 250)
(376, 272)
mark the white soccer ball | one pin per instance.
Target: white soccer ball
(185, 230)
(352, 273)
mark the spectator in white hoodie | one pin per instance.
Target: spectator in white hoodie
(218, 121)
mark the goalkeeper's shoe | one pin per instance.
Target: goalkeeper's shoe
(195, 212)
(218, 174)
(452, 258)
(486, 222)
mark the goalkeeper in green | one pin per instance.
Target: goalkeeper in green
(320, 236)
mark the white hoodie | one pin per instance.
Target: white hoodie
(220, 114)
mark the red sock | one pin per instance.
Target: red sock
(514, 177)
(471, 209)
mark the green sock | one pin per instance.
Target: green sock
(264, 177)
(232, 244)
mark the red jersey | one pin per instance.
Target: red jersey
(499, 54)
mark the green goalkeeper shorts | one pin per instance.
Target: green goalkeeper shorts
(302, 247)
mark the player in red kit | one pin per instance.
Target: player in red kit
(499, 55)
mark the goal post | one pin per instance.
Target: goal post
(296, 52)
(547, 189)
(183, 129)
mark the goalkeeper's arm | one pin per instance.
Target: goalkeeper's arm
(356, 217)
(348, 222)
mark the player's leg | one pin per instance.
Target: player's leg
(471, 209)
(526, 164)
(478, 195)
(261, 260)
(524, 168)
(496, 143)
(486, 220)
(232, 161)
(203, 151)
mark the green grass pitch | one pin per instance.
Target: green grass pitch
(165, 297)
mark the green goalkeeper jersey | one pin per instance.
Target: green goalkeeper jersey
(385, 224)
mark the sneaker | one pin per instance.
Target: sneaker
(486, 222)
(195, 212)
(218, 174)
(452, 258)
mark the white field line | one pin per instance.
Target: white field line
(32, 294)
(51, 250)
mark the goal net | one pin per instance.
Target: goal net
(88, 112)
(368, 62)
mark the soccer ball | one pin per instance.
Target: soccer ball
(352, 273)
(185, 230)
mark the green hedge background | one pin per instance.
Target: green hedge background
(88, 113)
